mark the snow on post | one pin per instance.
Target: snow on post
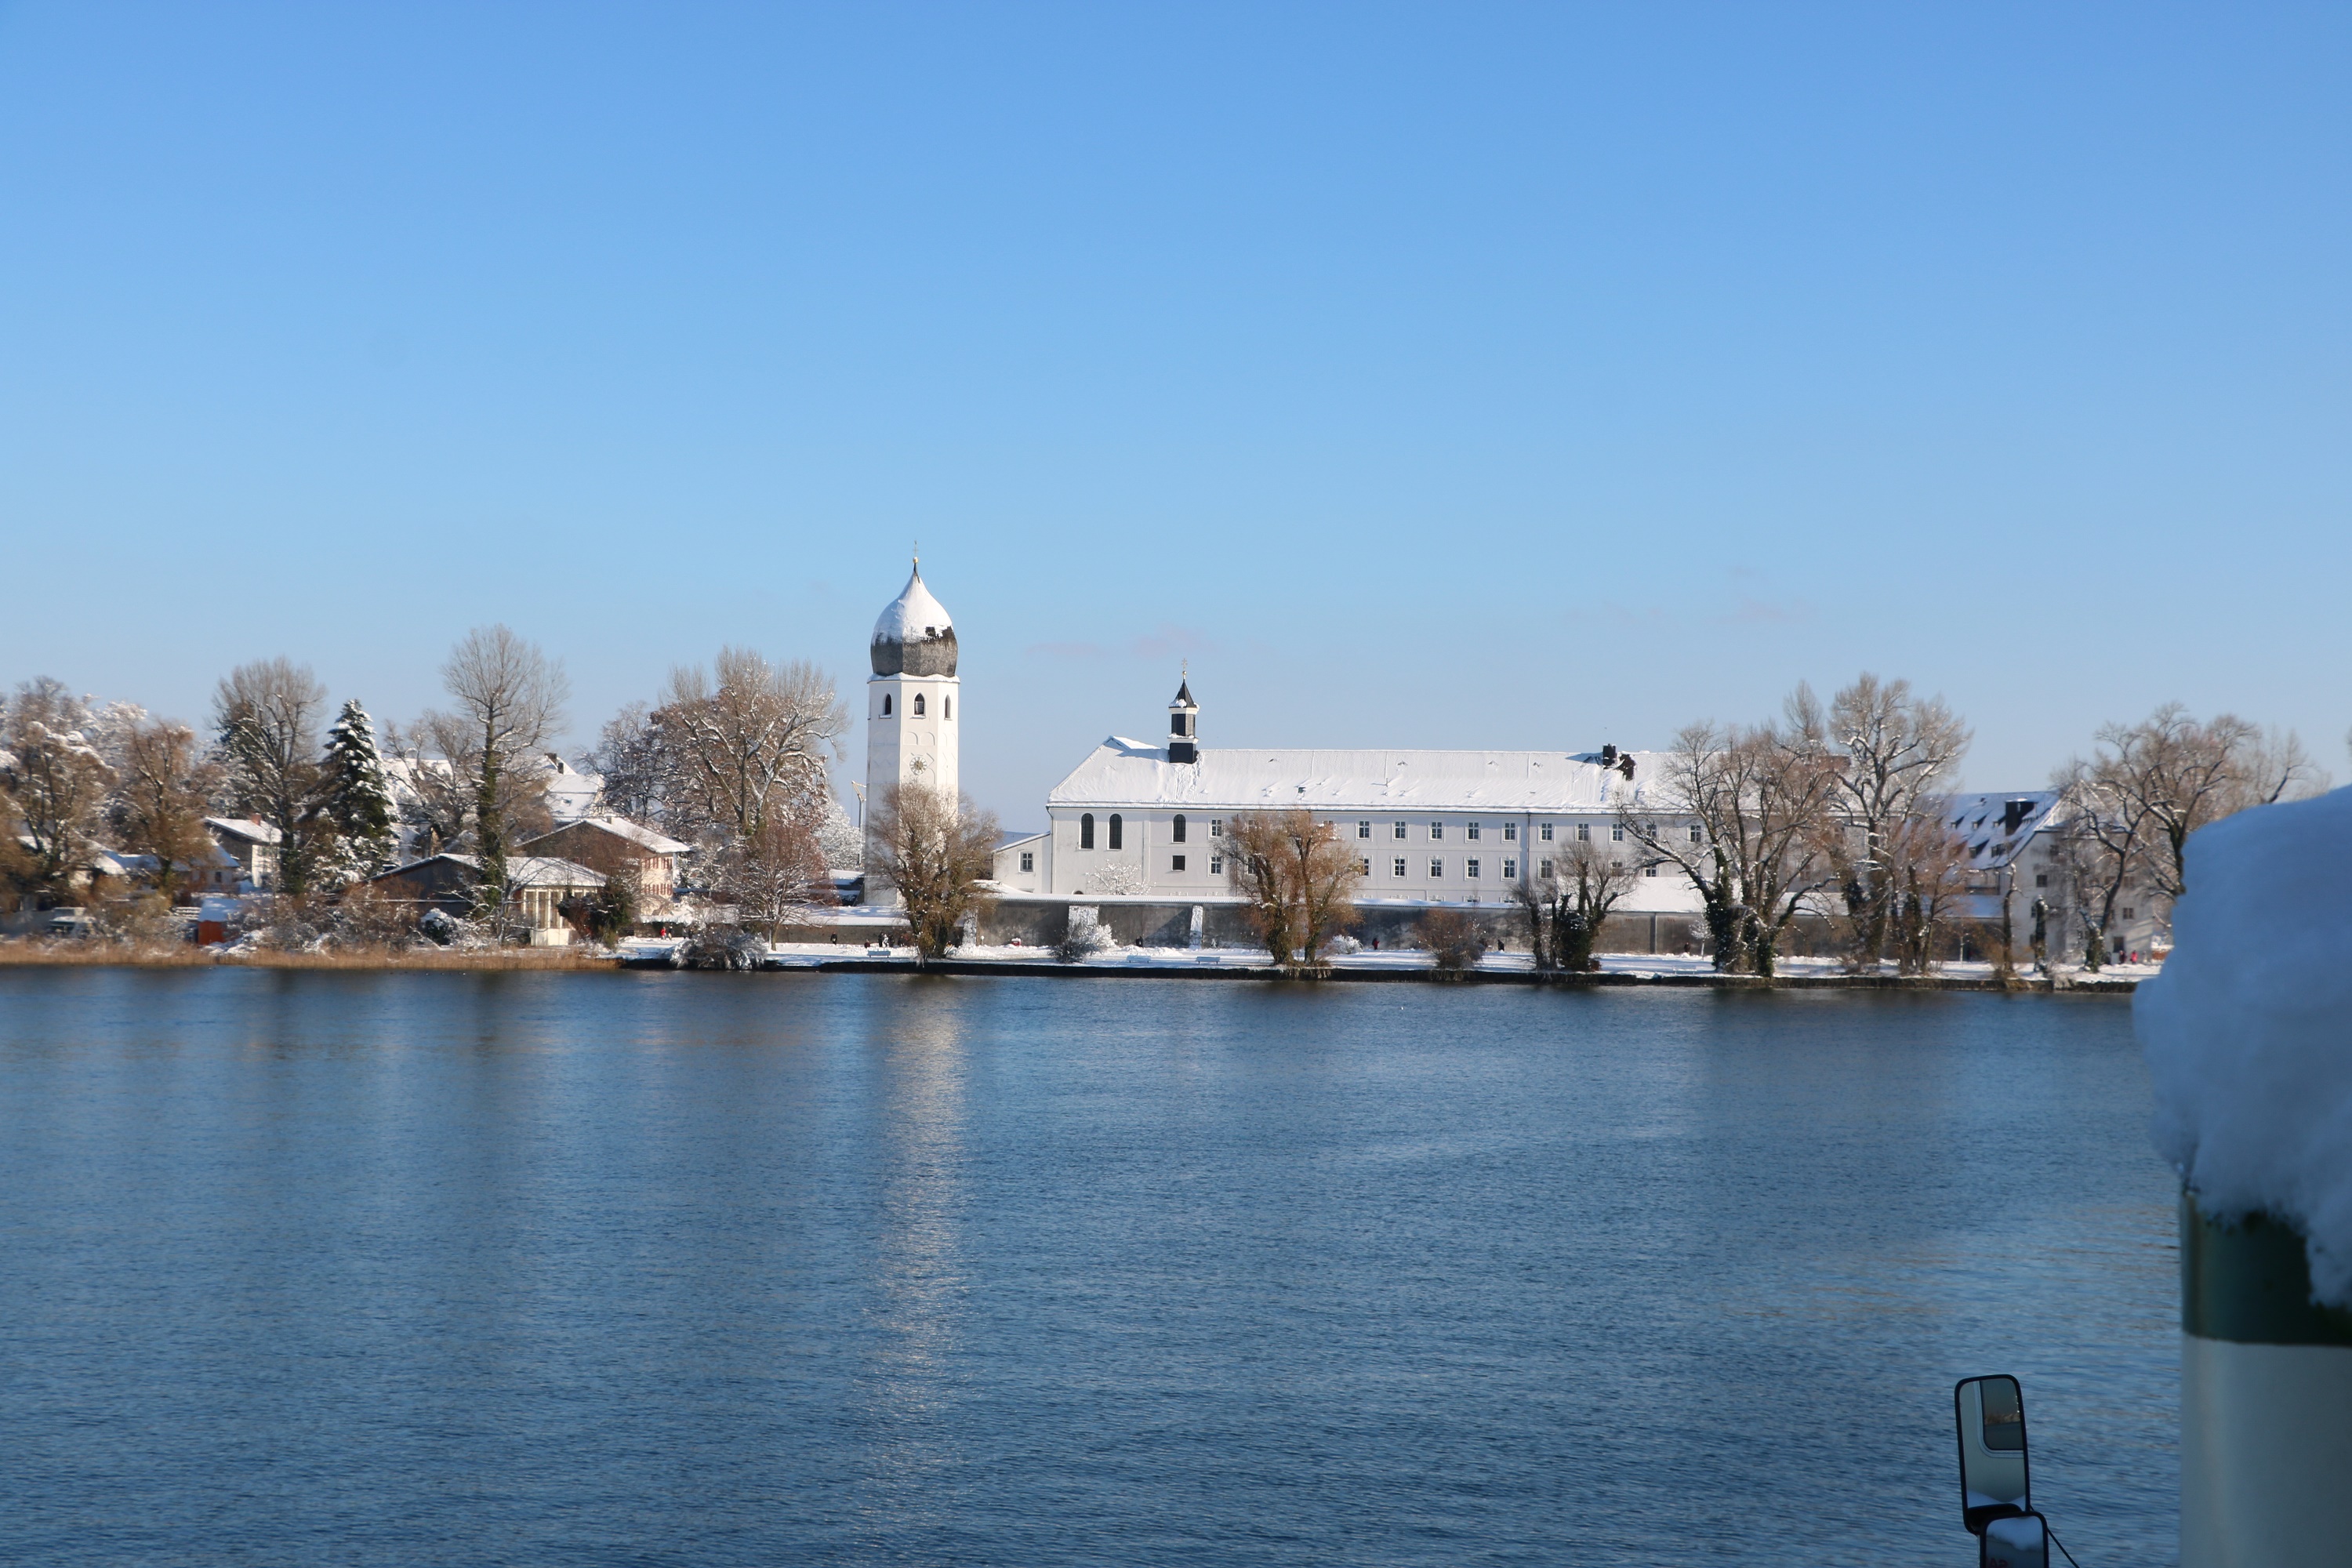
(2248, 1032)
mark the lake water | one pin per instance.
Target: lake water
(690, 1268)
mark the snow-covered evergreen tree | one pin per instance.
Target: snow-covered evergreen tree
(355, 799)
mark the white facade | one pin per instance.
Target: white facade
(913, 703)
(1429, 826)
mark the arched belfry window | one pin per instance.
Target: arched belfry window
(1114, 830)
(918, 704)
(1176, 833)
(1087, 831)
(947, 707)
(886, 705)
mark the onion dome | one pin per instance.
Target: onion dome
(914, 635)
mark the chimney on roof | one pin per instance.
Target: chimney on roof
(1607, 756)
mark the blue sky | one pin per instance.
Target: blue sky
(1441, 375)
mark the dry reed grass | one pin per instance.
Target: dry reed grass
(27, 951)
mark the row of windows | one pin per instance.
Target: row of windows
(1363, 829)
(947, 707)
(1473, 867)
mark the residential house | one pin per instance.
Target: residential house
(539, 887)
(615, 846)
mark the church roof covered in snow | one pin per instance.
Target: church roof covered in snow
(914, 635)
(1122, 771)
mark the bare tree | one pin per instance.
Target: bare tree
(510, 701)
(54, 781)
(1747, 815)
(1897, 750)
(753, 741)
(629, 758)
(939, 855)
(1567, 896)
(162, 783)
(1455, 939)
(266, 718)
(774, 874)
(2099, 842)
(1929, 866)
(1297, 878)
(2130, 808)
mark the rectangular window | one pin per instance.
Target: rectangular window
(1470, 867)
(1028, 861)
(1437, 867)
(1510, 869)
(1216, 827)
(1437, 830)
(1546, 831)
(1399, 831)
(1511, 833)
(1400, 865)
(1363, 868)
(2128, 911)
(1650, 869)
(1175, 862)
(1363, 830)
(2042, 878)
(1694, 837)
(1216, 865)
(1584, 831)
(1474, 833)
(1544, 868)
(1617, 831)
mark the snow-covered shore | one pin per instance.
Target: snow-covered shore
(1670, 968)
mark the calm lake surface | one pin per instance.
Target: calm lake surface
(655, 1268)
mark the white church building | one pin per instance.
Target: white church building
(1143, 819)
(1140, 820)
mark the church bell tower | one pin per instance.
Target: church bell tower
(1184, 723)
(911, 717)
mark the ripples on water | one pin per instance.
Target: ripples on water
(653, 1268)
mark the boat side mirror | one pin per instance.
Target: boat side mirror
(1994, 1481)
(2019, 1541)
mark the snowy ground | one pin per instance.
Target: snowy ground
(796, 955)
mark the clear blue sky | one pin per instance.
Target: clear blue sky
(1441, 375)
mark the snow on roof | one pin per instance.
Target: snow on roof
(244, 827)
(1006, 840)
(1996, 826)
(622, 827)
(522, 870)
(1122, 772)
(913, 614)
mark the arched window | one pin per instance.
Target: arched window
(886, 705)
(918, 704)
(947, 707)
(1178, 835)
(1114, 830)
(1087, 831)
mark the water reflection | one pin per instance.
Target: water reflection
(906, 1391)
